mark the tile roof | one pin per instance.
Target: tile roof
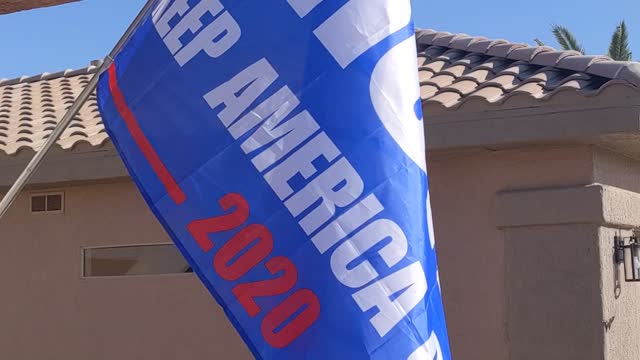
(30, 108)
(457, 68)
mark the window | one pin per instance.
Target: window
(47, 203)
(134, 260)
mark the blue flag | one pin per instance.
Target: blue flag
(280, 144)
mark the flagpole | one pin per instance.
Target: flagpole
(36, 161)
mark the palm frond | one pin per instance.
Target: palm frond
(538, 42)
(619, 46)
(566, 39)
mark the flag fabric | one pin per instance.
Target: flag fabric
(280, 144)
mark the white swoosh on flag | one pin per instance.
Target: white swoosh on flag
(395, 90)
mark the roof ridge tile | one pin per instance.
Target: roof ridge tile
(89, 69)
(483, 46)
(597, 65)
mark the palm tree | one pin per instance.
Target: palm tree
(566, 39)
(618, 48)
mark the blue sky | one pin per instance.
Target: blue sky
(71, 35)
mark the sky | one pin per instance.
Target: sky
(70, 36)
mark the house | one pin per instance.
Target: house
(534, 168)
(80, 226)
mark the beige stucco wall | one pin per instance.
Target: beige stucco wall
(471, 248)
(524, 241)
(621, 301)
(49, 312)
(553, 293)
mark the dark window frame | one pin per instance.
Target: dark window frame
(88, 271)
(46, 196)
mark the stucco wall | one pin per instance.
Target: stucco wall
(472, 249)
(49, 312)
(554, 304)
(524, 242)
(621, 304)
(621, 300)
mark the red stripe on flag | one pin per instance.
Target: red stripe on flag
(141, 140)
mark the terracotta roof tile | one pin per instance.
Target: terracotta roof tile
(463, 87)
(489, 93)
(435, 65)
(30, 108)
(463, 42)
(453, 69)
(534, 89)
(492, 71)
(482, 46)
(505, 82)
(424, 75)
(447, 97)
(503, 50)
(528, 53)
(494, 64)
(440, 80)
(478, 75)
(427, 91)
(456, 70)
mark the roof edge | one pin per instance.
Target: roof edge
(598, 65)
(527, 129)
(92, 68)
